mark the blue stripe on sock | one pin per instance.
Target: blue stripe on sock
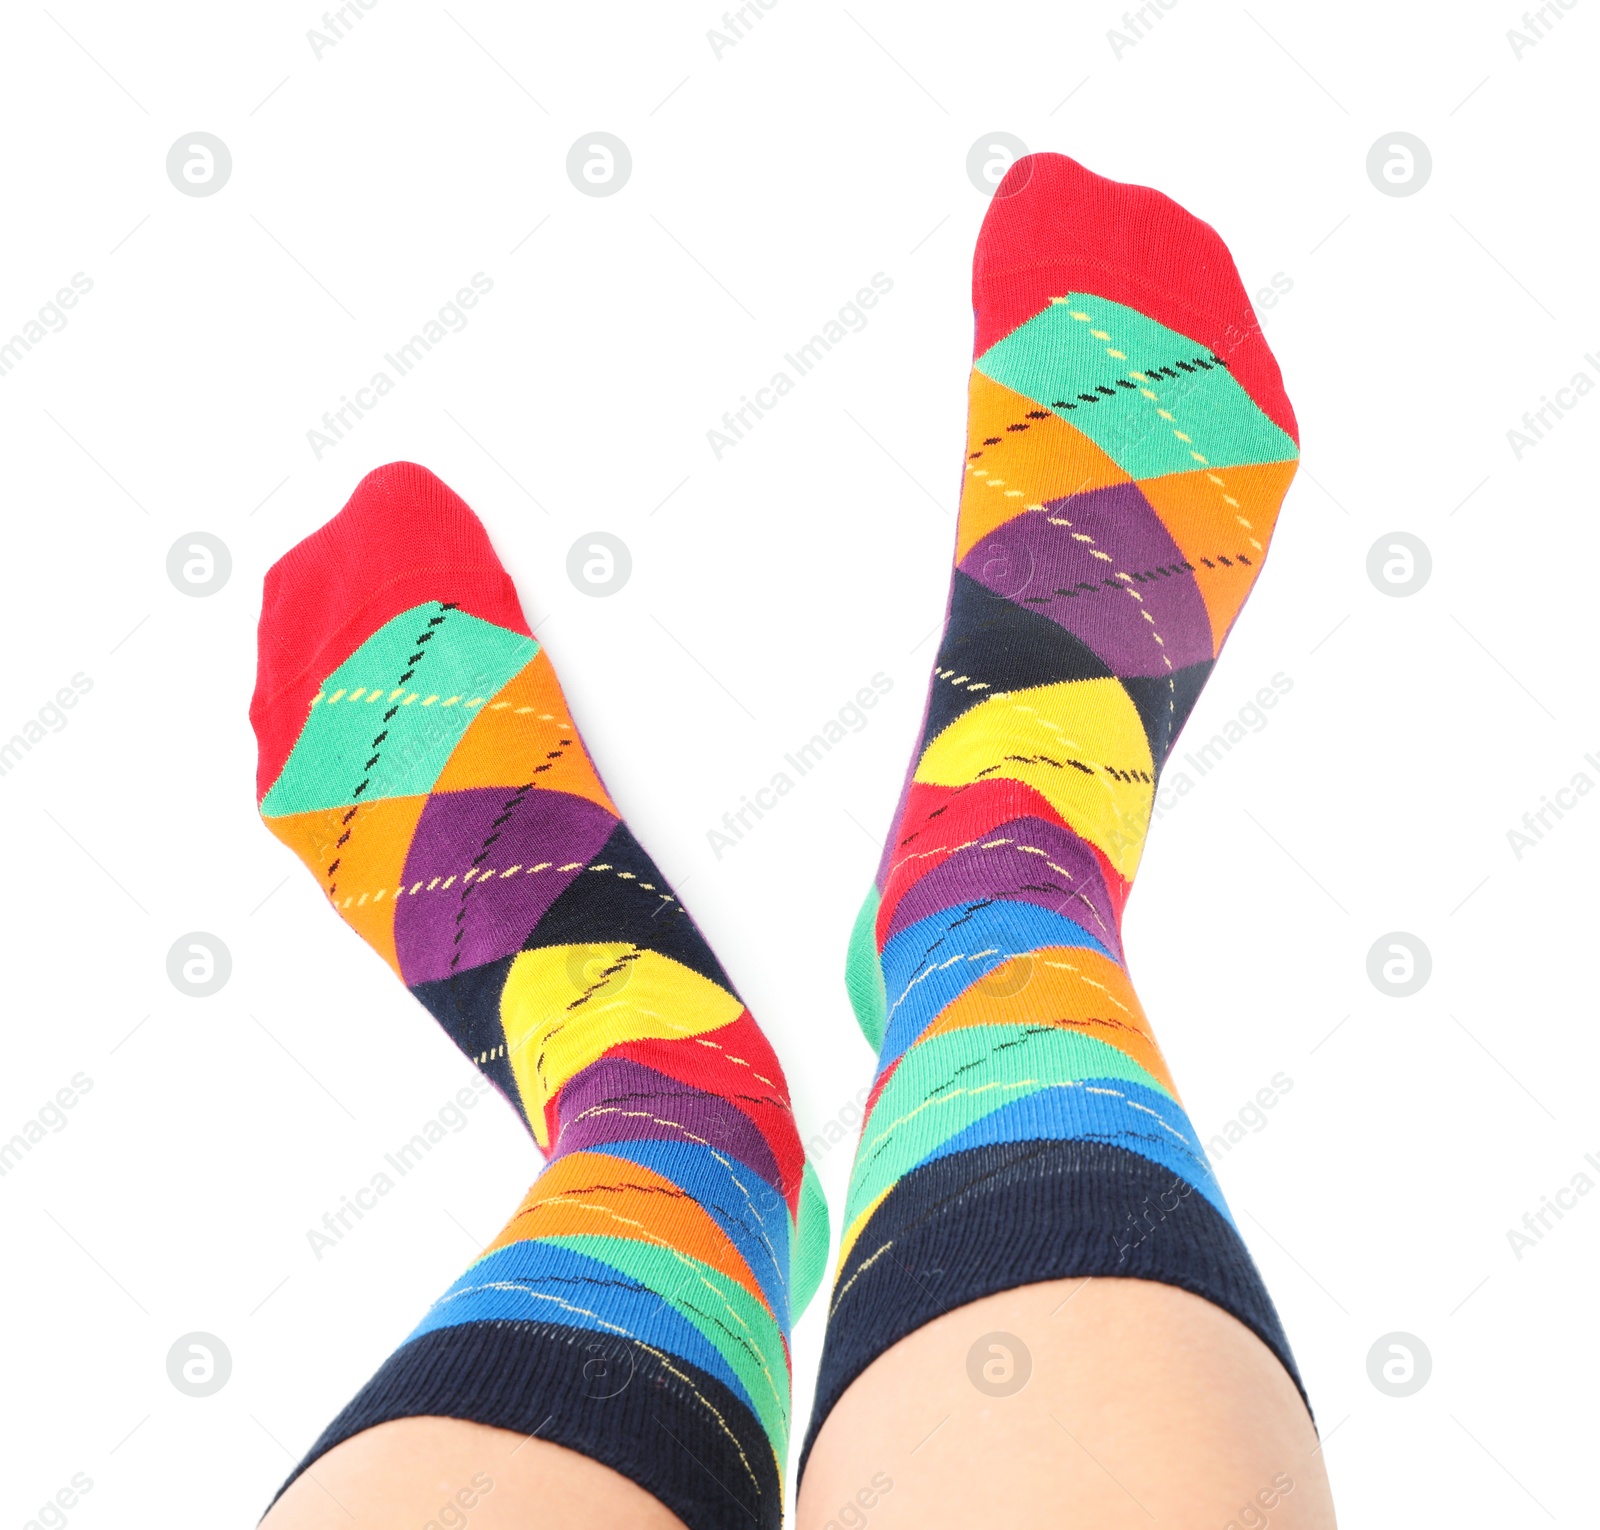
(1112, 1111)
(756, 1220)
(918, 982)
(534, 1282)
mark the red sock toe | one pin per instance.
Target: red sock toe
(403, 538)
(1055, 227)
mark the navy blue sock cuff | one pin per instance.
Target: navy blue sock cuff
(611, 1399)
(975, 1223)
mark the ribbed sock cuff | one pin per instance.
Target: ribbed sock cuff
(665, 1424)
(990, 1219)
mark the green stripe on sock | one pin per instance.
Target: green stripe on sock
(809, 1259)
(457, 662)
(1100, 385)
(731, 1318)
(926, 1102)
(863, 976)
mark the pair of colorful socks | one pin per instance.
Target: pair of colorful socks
(1129, 444)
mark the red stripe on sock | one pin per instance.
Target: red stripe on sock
(736, 1062)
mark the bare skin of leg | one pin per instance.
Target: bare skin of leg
(418, 1473)
(1144, 1407)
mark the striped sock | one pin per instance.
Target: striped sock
(1129, 445)
(418, 755)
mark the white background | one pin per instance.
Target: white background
(768, 186)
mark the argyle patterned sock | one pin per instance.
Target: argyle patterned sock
(1129, 444)
(417, 753)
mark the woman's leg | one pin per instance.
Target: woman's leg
(446, 1474)
(632, 1318)
(1139, 1405)
(1129, 444)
